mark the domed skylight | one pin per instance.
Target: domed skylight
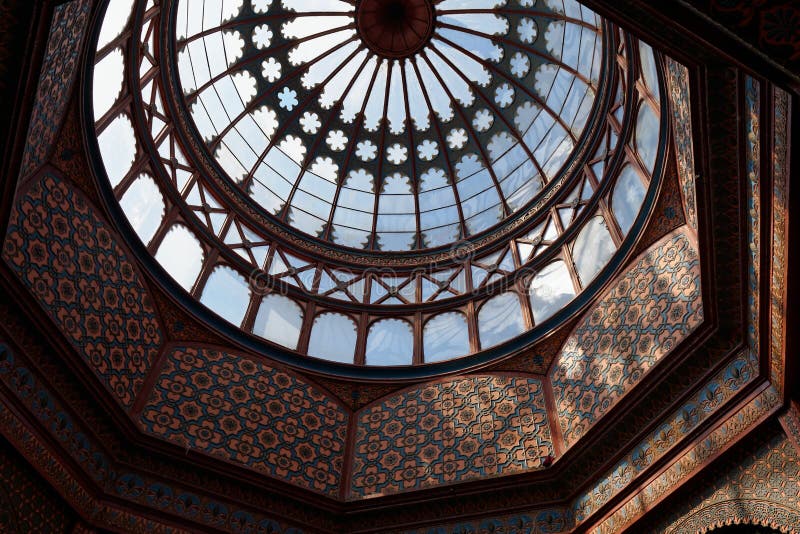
(389, 124)
(378, 182)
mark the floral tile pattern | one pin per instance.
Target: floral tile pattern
(248, 413)
(454, 431)
(69, 259)
(643, 316)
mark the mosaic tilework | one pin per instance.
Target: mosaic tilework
(691, 461)
(454, 431)
(790, 421)
(29, 445)
(551, 521)
(707, 402)
(103, 515)
(752, 118)
(21, 381)
(698, 409)
(27, 503)
(643, 316)
(21, 377)
(248, 413)
(141, 489)
(56, 80)
(780, 156)
(189, 506)
(757, 483)
(97, 298)
(678, 87)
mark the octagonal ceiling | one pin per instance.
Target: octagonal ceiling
(558, 328)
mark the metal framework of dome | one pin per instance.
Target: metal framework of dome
(410, 185)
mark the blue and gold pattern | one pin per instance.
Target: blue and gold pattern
(68, 257)
(446, 432)
(243, 411)
(643, 317)
(705, 402)
(780, 167)
(752, 96)
(697, 456)
(57, 78)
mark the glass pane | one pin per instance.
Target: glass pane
(627, 199)
(647, 129)
(118, 148)
(333, 337)
(446, 336)
(390, 342)
(114, 21)
(500, 319)
(592, 249)
(308, 65)
(550, 290)
(107, 79)
(227, 294)
(649, 68)
(143, 205)
(181, 256)
(279, 320)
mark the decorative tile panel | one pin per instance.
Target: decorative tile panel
(57, 77)
(757, 483)
(700, 407)
(28, 503)
(643, 316)
(678, 86)
(69, 259)
(780, 181)
(77, 441)
(752, 133)
(53, 415)
(447, 432)
(250, 414)
(695, 458)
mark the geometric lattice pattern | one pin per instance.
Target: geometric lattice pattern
(250, 414)
(59, 247)
(469, 428)
(645, 314)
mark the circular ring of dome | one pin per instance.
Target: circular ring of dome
(463, 188)
(462, 315)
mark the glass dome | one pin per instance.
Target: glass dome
(400, 184)
(388, 125)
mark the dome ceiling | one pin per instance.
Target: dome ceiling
(565, 369)
(382, 183)
(390, 125)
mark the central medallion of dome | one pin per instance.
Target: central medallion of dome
(395, 28)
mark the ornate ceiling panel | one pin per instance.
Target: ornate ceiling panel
(674, 352)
